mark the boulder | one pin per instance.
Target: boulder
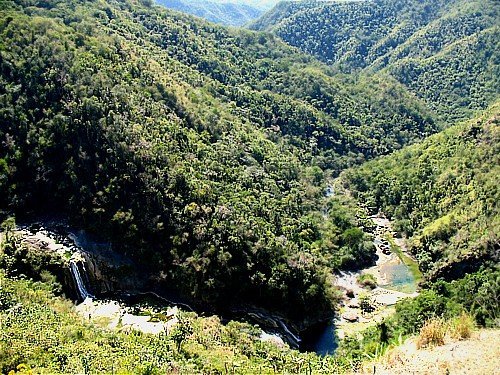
(350, 317)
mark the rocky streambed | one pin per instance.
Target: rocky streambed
(366, 304)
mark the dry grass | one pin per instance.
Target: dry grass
(432, 334)
(462, 327)
(480, 354)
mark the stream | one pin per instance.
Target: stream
(140, 311)
(395, 281)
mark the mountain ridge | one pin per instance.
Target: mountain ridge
(398, 38)
(224, 13)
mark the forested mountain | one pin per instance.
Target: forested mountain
(225, 13)
(198, 148)
(236, 172)
(445, 52)
(443, 194)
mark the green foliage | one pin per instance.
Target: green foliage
(412, 314)
(142, 140)
(17, 259)
(367, 280)
(181, 331)
(445, 52)
(366, 303)
(200, 151)
(476, 293)
(225, 13)
(442, 194)
(43, 333)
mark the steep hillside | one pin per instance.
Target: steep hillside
(200, 150)
(479, 354)
(445, 52)
(42, 333)
(443, 194)
(225, 13)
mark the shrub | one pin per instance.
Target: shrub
(367, 280)
(366, 304)
(413, 313)
(431, 334)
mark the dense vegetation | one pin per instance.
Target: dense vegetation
(445, 52)
(225, 13)
(200, 150)
(203, 153)
(42, 332)
(442, 194)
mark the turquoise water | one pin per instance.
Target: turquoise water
(399, 277)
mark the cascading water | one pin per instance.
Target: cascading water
(79, 281)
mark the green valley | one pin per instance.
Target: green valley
(445, 52)
(178, 196)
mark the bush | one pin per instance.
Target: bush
(366, 304)
(412, 314)
(367, 281)
(431, 334)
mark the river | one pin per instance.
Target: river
(394, 279)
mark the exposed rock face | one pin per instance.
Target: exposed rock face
(458, 269)
(107, 277)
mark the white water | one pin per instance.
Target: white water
(80, 284)
(285, 328)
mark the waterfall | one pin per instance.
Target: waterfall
(285, 328)
(79, 281)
